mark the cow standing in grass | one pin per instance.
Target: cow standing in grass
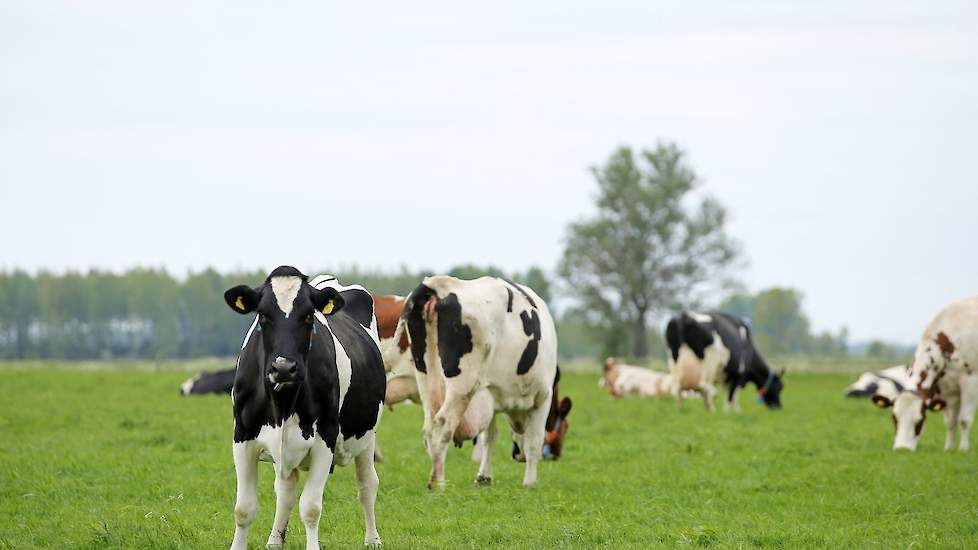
(308, 392)
(480, 347)
(945, 371)
(722, 344)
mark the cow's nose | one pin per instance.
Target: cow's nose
(284, 367)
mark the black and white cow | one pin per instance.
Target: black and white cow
(220, 381)
(890, 381)
(945, 371)
(308, 393)
(480, 347)
(722, 344)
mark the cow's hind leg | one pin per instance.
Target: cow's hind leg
(311, 501)
(951, 425)
(443, 427)
(367, 483)
(532, 447)
(246, 503)
(709, 394)
(284, 502)
(488, 441)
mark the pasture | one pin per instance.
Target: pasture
(112, 457)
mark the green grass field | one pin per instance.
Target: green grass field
(93, 458)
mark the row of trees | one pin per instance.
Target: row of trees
(149, 313)
(654, 245)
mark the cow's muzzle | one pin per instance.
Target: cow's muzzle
(283, 372)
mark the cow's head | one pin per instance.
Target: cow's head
(553, 442)
(909, 412)
(770, 393)
(286, 305)
(930, 361)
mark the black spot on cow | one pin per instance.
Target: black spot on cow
(521, 291)
(454, 336)
(359, 305)
(413, 316)
(361, 406)
(509, 300)
(531, 326)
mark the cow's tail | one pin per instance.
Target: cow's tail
(421, 320)
(392, 349)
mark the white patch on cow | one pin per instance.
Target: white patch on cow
(286, 288)
(700, 317)
(188, 385)
(907, 408)
(344, 366)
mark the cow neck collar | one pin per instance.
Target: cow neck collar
(762, 391)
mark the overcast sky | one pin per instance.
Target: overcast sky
(841, 135)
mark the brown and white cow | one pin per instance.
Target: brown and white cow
(945, 369)
(627, 380)
(480, 347)
(401, 384)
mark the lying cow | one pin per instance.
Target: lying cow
(481, 347)
(308, 392)
(944, 370)
(722, 344)
(889, 381)
(627, 380)
(209, 382)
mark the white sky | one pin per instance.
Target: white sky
(840, 135)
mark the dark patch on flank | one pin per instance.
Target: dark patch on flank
(414, 317)
(531, 326)
(454, 336)
(521, 291)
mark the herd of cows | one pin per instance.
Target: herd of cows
(321, 360)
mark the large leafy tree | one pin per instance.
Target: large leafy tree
(649, 247)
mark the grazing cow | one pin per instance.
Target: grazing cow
(945, 370)
(308, 393)
(722, 344)
(209, 382)
(479, 347)
(889, 381)
(627, 380)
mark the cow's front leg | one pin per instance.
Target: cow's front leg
(488, 441)
(950, 425)
(246, 502)
(966, 414)
(536, 429)
(709, 393)
(284, 502)
(367, 483)
(311, 501)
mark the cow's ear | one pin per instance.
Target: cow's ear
(781, 373)
(882, 401)
(936, 405)
(327, 300)
(242, 299)
(564, 407)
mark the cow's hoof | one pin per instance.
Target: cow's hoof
(482, 480)
(372, 543)
(274, 546)
(436, 485)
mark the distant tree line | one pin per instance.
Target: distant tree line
(148, 313)
(653, 245)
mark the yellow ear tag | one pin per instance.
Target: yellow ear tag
(937, 407)
(239, 304)
(328, 308)
(881, 404)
